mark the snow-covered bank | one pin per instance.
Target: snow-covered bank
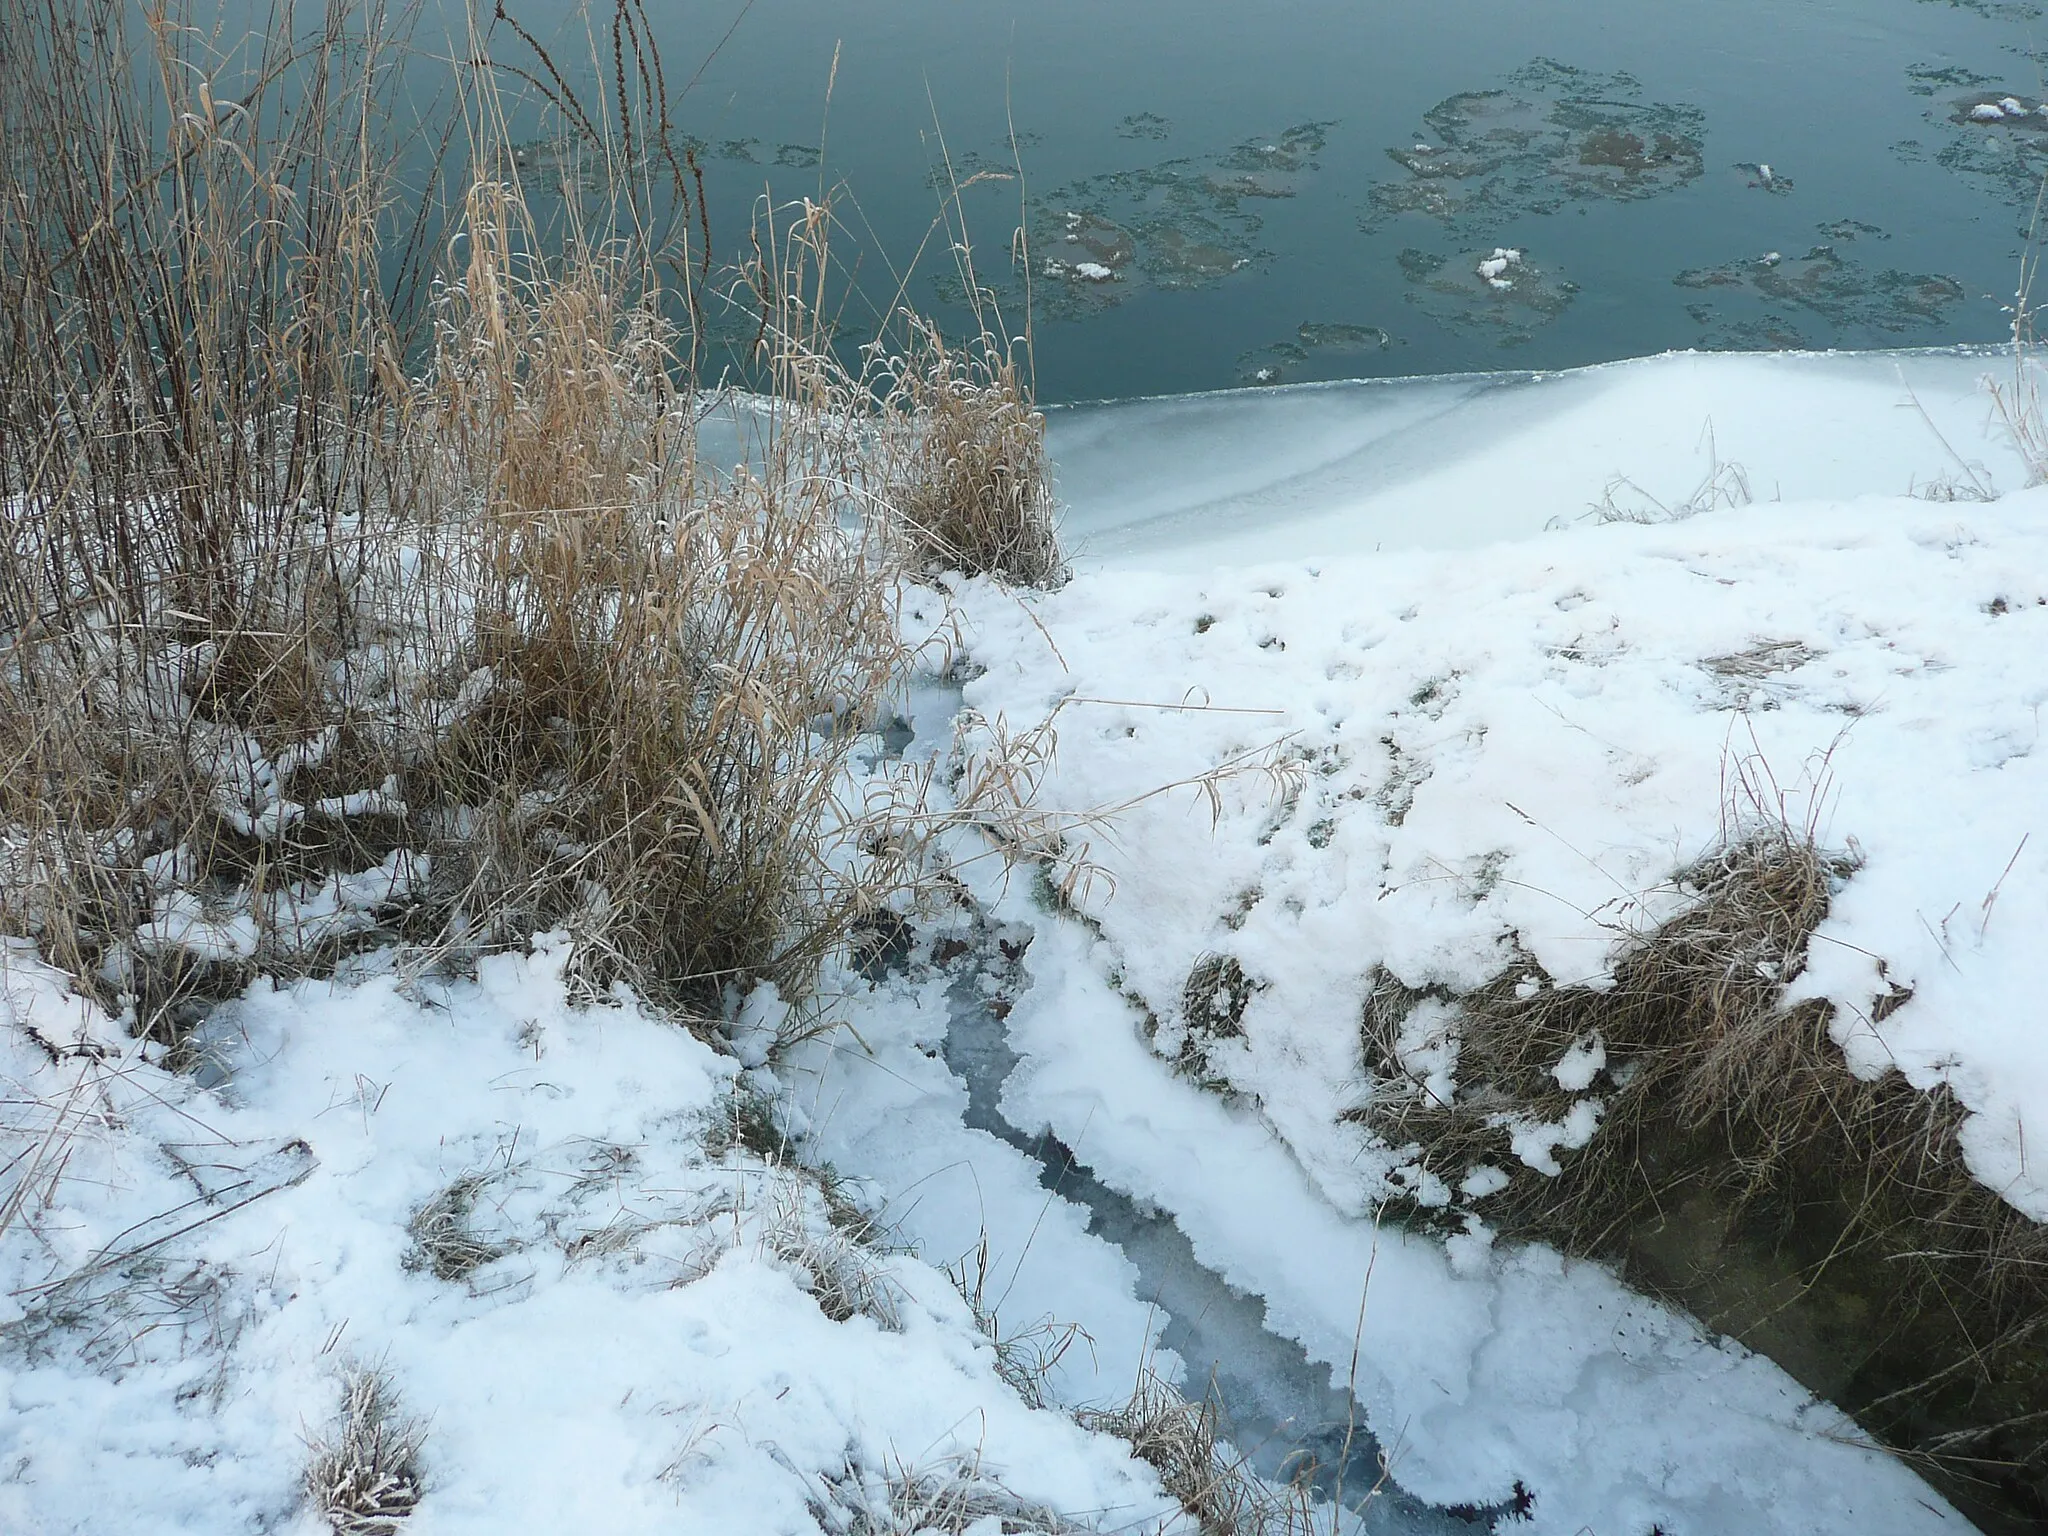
(1499, 747)
(1524, 1378)
(1492, 753)
(1525, 1382)
(636, 1343)
(1517, 747)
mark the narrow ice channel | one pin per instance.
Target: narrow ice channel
(1280, 1408)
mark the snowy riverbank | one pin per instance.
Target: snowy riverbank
(1502, 740)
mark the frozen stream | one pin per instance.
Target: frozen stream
(1280, 1408)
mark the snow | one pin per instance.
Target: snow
(891, 1113)
(180, 921)
(289, 920)
(1504, 724)
(1495, 267)
(1518, 744)
(1536, 1142)
(645, 1354)
(1577, 1068)
(1471, 727)
(1616, 1413)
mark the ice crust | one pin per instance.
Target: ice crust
(1194, 482)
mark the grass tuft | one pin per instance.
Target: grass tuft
(974, 491)
(839, 1261)
(1025, 1358)
(953, 1497)
(365, 1477)
(336, 613)
(1182, 1439)
(444, 1242)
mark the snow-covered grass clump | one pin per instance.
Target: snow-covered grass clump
(974, 493)
(338, 611)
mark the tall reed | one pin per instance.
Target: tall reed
(363, 579)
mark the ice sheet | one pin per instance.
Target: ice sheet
(1191, 482)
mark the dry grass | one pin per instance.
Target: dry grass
(1693, 1006)
(329, 619)
(1183, 1439)
(444, 1242)
(674, 677)
(365, 1475)
(1025, 1358)
(953, 1497)
(941, 439)
(833, 1252)
(1721, 1109)
(2018, 401)
(1724, 486)
(974, 490)
(1212, 1006)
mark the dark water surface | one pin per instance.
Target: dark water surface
(1304, 189)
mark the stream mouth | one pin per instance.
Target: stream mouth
(1277, 1406)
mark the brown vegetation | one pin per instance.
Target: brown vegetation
(350, 597)
(974, 491)
(1183, 1438)
(365, 1476)
(1740, 1166)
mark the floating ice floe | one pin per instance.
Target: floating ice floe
(1552, 136)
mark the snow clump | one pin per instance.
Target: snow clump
(1495, 267)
